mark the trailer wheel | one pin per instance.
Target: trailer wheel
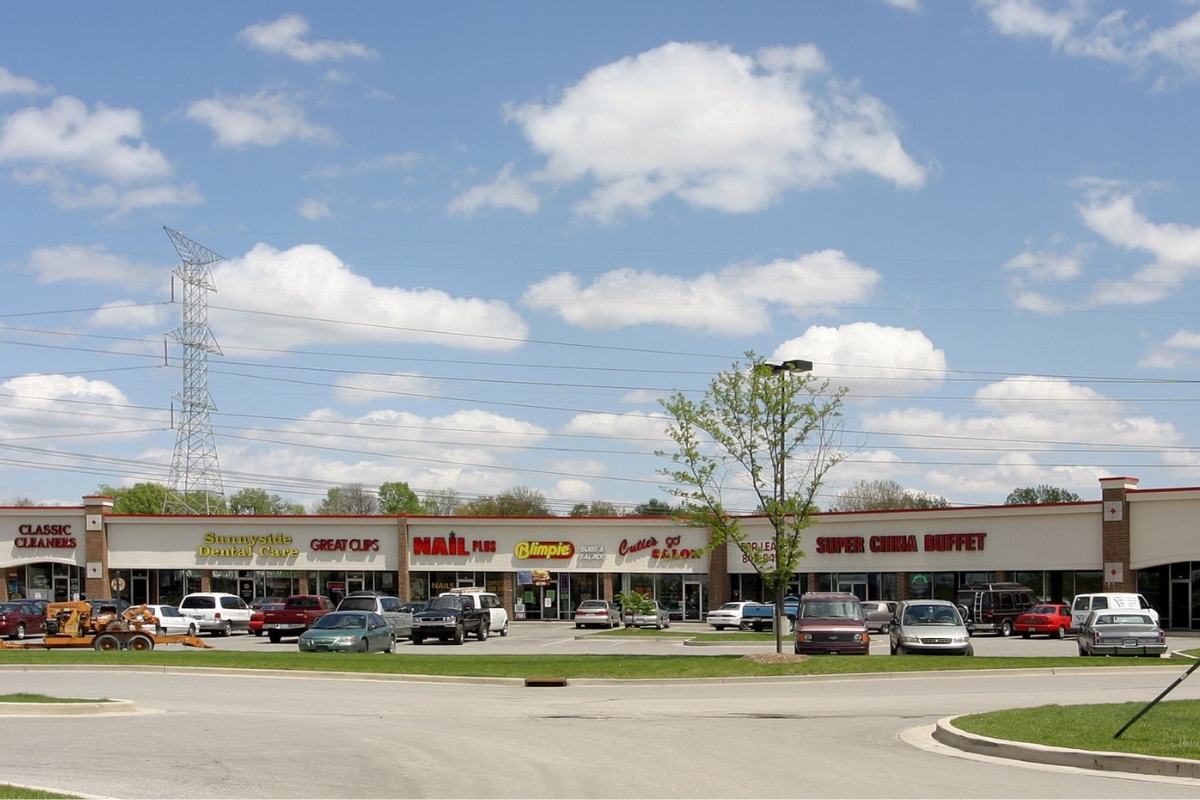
(106, 641)
(140, 642)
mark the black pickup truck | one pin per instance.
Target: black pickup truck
(450, 617)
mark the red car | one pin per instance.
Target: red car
(1053, 619)
(256, 619)
(21, 617)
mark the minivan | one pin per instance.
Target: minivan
(831, 622)
(218, 613)
(1084, 604)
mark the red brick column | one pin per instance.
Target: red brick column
(1115, 534)
(404, 584)
(607, 579)
(95, 546)
(719, 590)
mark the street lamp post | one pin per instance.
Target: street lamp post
(781, 369)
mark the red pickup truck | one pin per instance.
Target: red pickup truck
(295, 616)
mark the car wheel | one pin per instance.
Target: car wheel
(191, 631)
(275, 637)
(668, 625)
(1006, 628)
(578, 625)
(459, 634)
(1083, 651)
(228, 629)
(900, 650)
(391, 648)
(970, 651)
(1061, 633)
(504, 630)
(484, 629)
(20, 633)
(417, 639)
(363, 645)
(719, 627)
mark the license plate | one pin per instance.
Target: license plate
(275, 625)
(1130, 643)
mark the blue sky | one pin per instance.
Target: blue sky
(468, 246)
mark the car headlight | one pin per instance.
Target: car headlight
(345, 641)
(960, 639)
(908, 638)
(806, 637)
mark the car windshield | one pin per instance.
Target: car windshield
(593, 604)
(1123, 619)
(831, 609)
(447, 603)
(357, 604)
(931, 615)
(731, 606)
(337, 621)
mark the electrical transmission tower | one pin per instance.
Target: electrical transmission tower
(195, 483)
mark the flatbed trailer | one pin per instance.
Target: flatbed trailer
(77, 625)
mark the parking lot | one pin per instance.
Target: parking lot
(563, 638)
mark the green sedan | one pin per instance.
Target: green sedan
(349, 632)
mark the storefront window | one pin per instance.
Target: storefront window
(1035, 581)
(640, 582)
(920, 587)
(224, 581)
(944, 585)
(1088, 582)
(584, 586)
(670, 594)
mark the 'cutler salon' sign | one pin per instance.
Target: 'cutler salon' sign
(932, 543)
(41, 536)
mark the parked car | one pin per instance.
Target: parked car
(219, 613)
(172, 621)
(993, 606)
(658, 617)
(1052, 619)
(727, 616)
(259, 617)
(259, 602)
(831, 623)
(929, 626)
(349, 632)
(19, 618)
(451, 617)
(597, 612)
(1084, 604)
(879, 614)
(1121, 633)
(413, 606)
(390, 608)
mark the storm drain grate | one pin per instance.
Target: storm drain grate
(545, 681)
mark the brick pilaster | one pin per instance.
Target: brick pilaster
(720, 591)
(404, 584)
(95, 546)
(1115, 533)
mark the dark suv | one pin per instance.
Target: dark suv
(450, 617)
(831, 622)
(993, 607)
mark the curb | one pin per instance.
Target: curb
(947, 734)
(66, 709)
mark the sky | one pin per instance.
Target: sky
(470, 246)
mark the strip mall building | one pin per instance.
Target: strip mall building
(1145, 540)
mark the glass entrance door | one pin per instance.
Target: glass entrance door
(856, 586)
(693, 602)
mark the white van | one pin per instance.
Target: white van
(1084, 604)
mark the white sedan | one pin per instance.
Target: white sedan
(727, 616)
(172, 621)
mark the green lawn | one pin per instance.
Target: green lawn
(7, 792)
(25, 697)
(1171, 729)
(545, 666)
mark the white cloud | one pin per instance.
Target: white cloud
(314, 210)
(133, 316)
(1181, 349)
(38, 404)
(1112, 214)
(61, 146)
(906, 5)
(286, 36)
(15, 84)
(1031, 394)
(258, 119)
(325, 302)
(89, 265)
(504, 192)
(368, 388)
(635, 426)
(711, 127)
(738, 299)
(1077, 29)
(871, 360)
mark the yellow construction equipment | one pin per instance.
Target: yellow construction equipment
(77, 624)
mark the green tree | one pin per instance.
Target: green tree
(395, 497)
(652, 508)
(258, 502)
(1038, 495)
(22, 502)
(881, 495)
(596, 508)
(519, 501)
(353, 499)
(441, 503)
(141, 498)
(775, 433)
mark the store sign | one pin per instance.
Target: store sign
(929, 543)
(556, 550)
(452, 545)
(625, 548)
(591, 552)
(274, 545)
(44, 536)
(673, 550)
(342, 545)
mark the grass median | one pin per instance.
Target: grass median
(630, 667)
(1171, 729)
